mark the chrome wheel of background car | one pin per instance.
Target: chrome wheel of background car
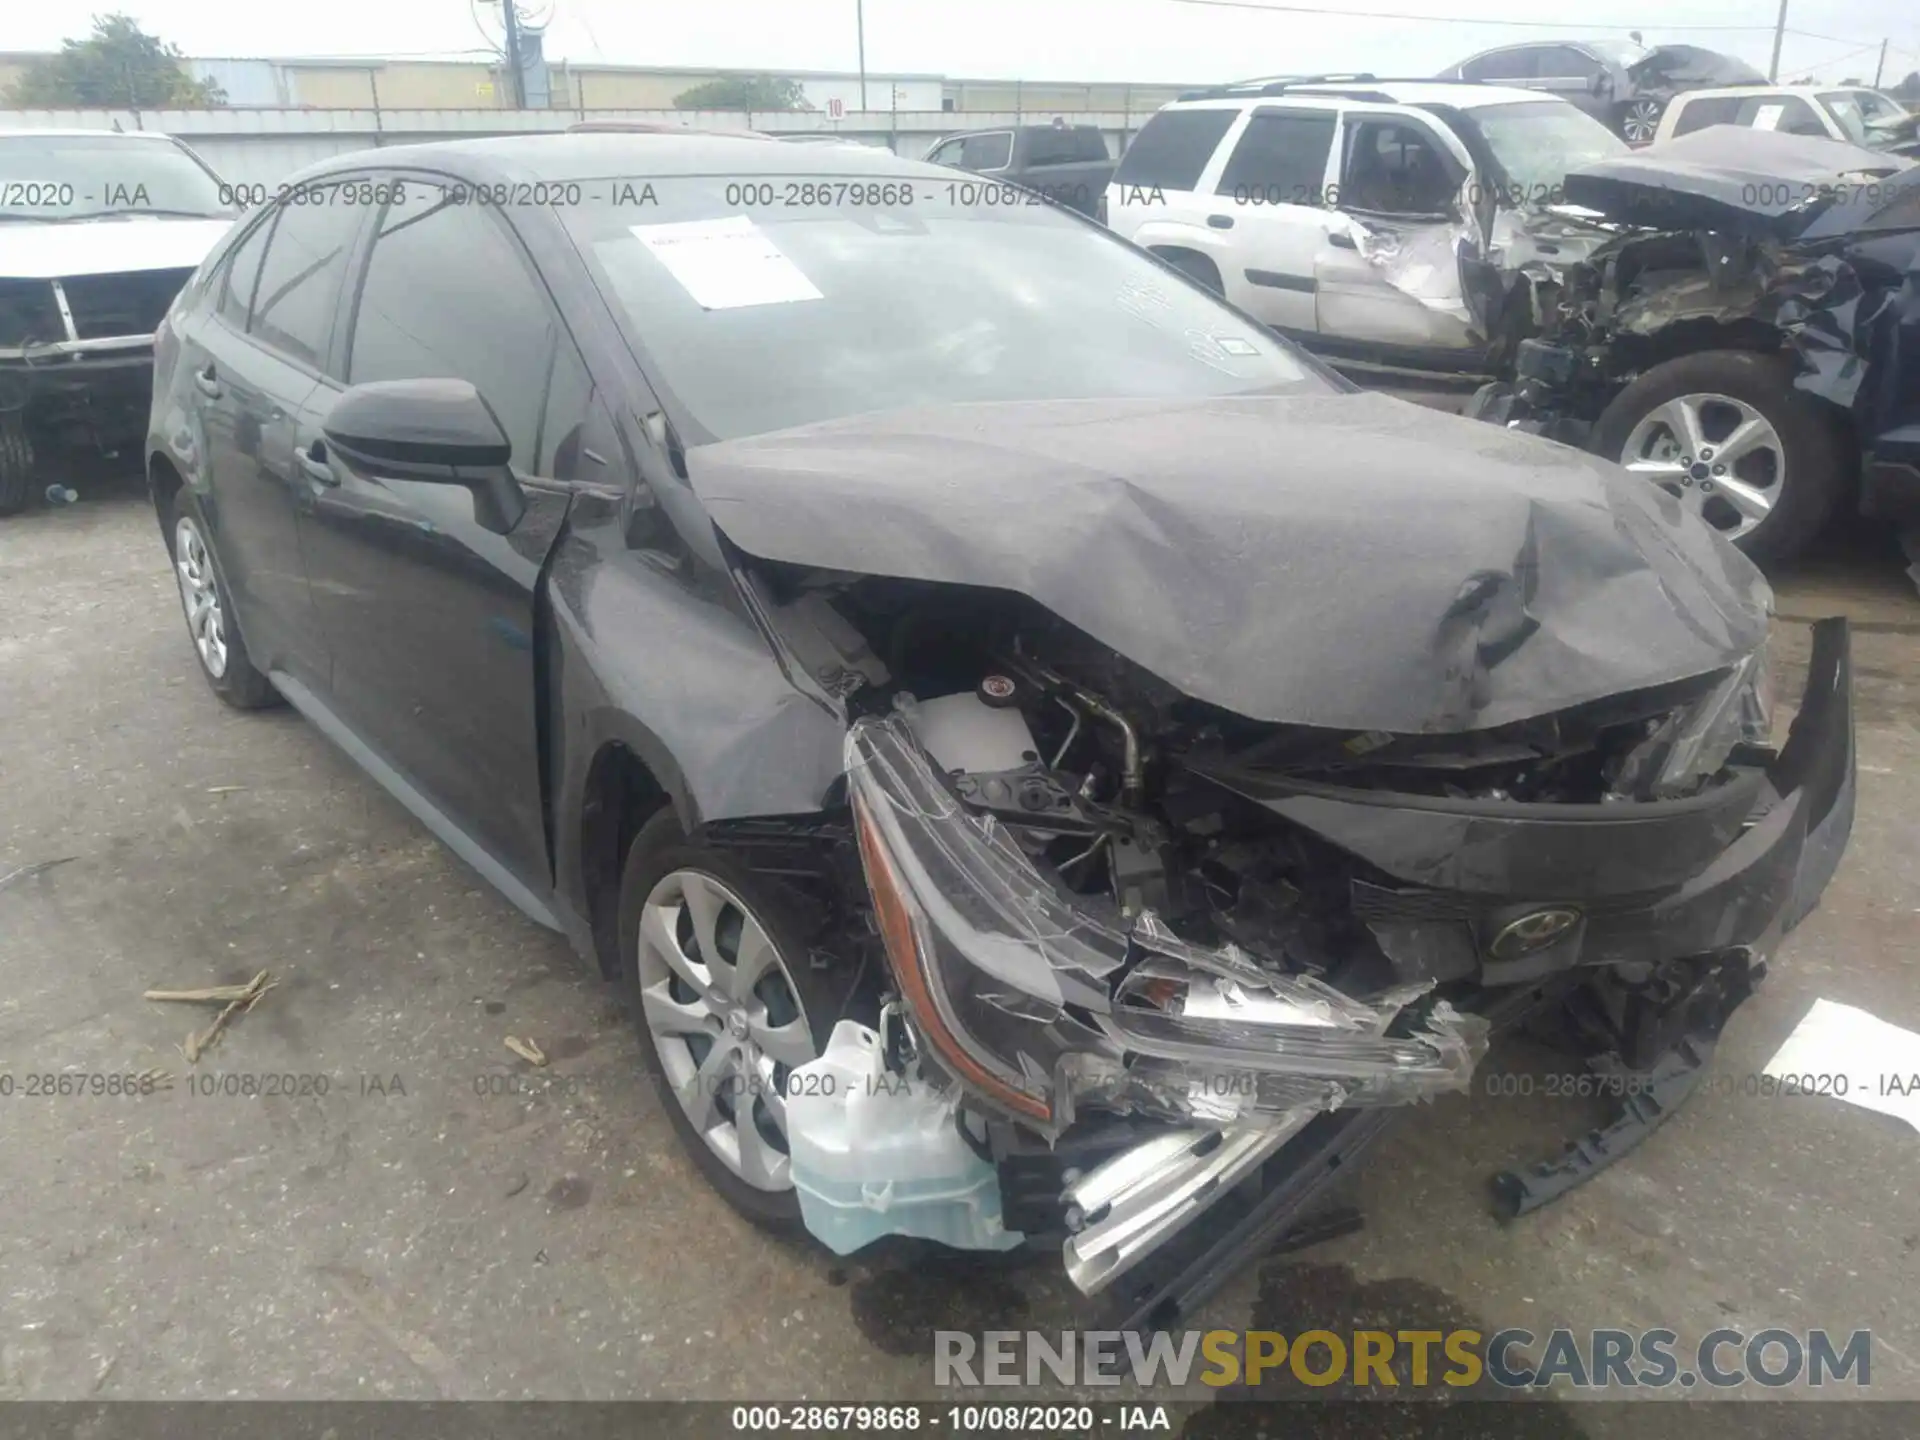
(1723, 458)
(200, 593)
(1639, 122)
(726, 1021)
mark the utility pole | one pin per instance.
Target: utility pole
(1880, 65)
(860, 22)
(1779, 34)
(519, 82)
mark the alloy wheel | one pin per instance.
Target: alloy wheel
(1721, 457)
(200, 594)
(726, 1021)
(1640, 122)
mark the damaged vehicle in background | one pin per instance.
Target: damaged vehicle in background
(950, 710)
(1620, 82)
(1749, 339)
(1380, 223)
(98, 232)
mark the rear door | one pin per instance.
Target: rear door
(431, 615)
(1276, 195)
(1400, 181)
(254, 361)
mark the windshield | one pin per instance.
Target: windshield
(1539, 142)
(894, 292)
(1855, 110)
(63, 177)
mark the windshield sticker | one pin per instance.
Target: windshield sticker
(1768, 117)
(726, 264)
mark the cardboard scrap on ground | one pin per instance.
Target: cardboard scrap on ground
(1848, 1054)
(235, 1000)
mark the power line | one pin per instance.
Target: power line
(1453, 19)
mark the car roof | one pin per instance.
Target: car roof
(1464, 93)
(561, 155)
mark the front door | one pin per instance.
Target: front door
(430, 615)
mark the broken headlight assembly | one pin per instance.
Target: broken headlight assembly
(1684, 751)
(1037, 1000)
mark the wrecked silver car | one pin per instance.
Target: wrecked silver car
(1049, 763)
(1748, 337)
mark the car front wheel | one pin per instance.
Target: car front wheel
(727, 1005)
(1727, 434)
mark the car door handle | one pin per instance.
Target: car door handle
(1340, 240)
(1220, 222)
(313, 460)
(208, 380)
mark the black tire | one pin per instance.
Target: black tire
(239, 683)
(1195, 267)
(1814, 452)
(660, 849)
(16, 464)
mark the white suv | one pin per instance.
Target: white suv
(1377, 221)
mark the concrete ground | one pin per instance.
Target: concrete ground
(446, 1221)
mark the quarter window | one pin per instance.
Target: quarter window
(1173, 148)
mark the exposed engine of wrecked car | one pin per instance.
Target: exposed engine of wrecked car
(1098, 896)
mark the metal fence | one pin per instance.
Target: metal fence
(265, 146)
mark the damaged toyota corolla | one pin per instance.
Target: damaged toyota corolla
(1048, 761)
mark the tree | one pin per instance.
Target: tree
(118, 65)
(744, 92)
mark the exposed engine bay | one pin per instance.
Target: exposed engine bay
(1178, 862)
(1102, 897)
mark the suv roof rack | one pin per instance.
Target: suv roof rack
(1273, 85)
(1324, 84)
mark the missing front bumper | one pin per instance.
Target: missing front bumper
(1027, 993)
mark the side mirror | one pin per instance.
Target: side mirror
(440, 432)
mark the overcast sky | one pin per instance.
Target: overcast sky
(1145, 40)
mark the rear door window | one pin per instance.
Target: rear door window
(1516, 64)
(1172, 149)
(1281, 159)
(987, 152)
(299, 285)
(242, 273)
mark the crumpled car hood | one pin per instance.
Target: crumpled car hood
(1730, 177)
(1344, 560)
